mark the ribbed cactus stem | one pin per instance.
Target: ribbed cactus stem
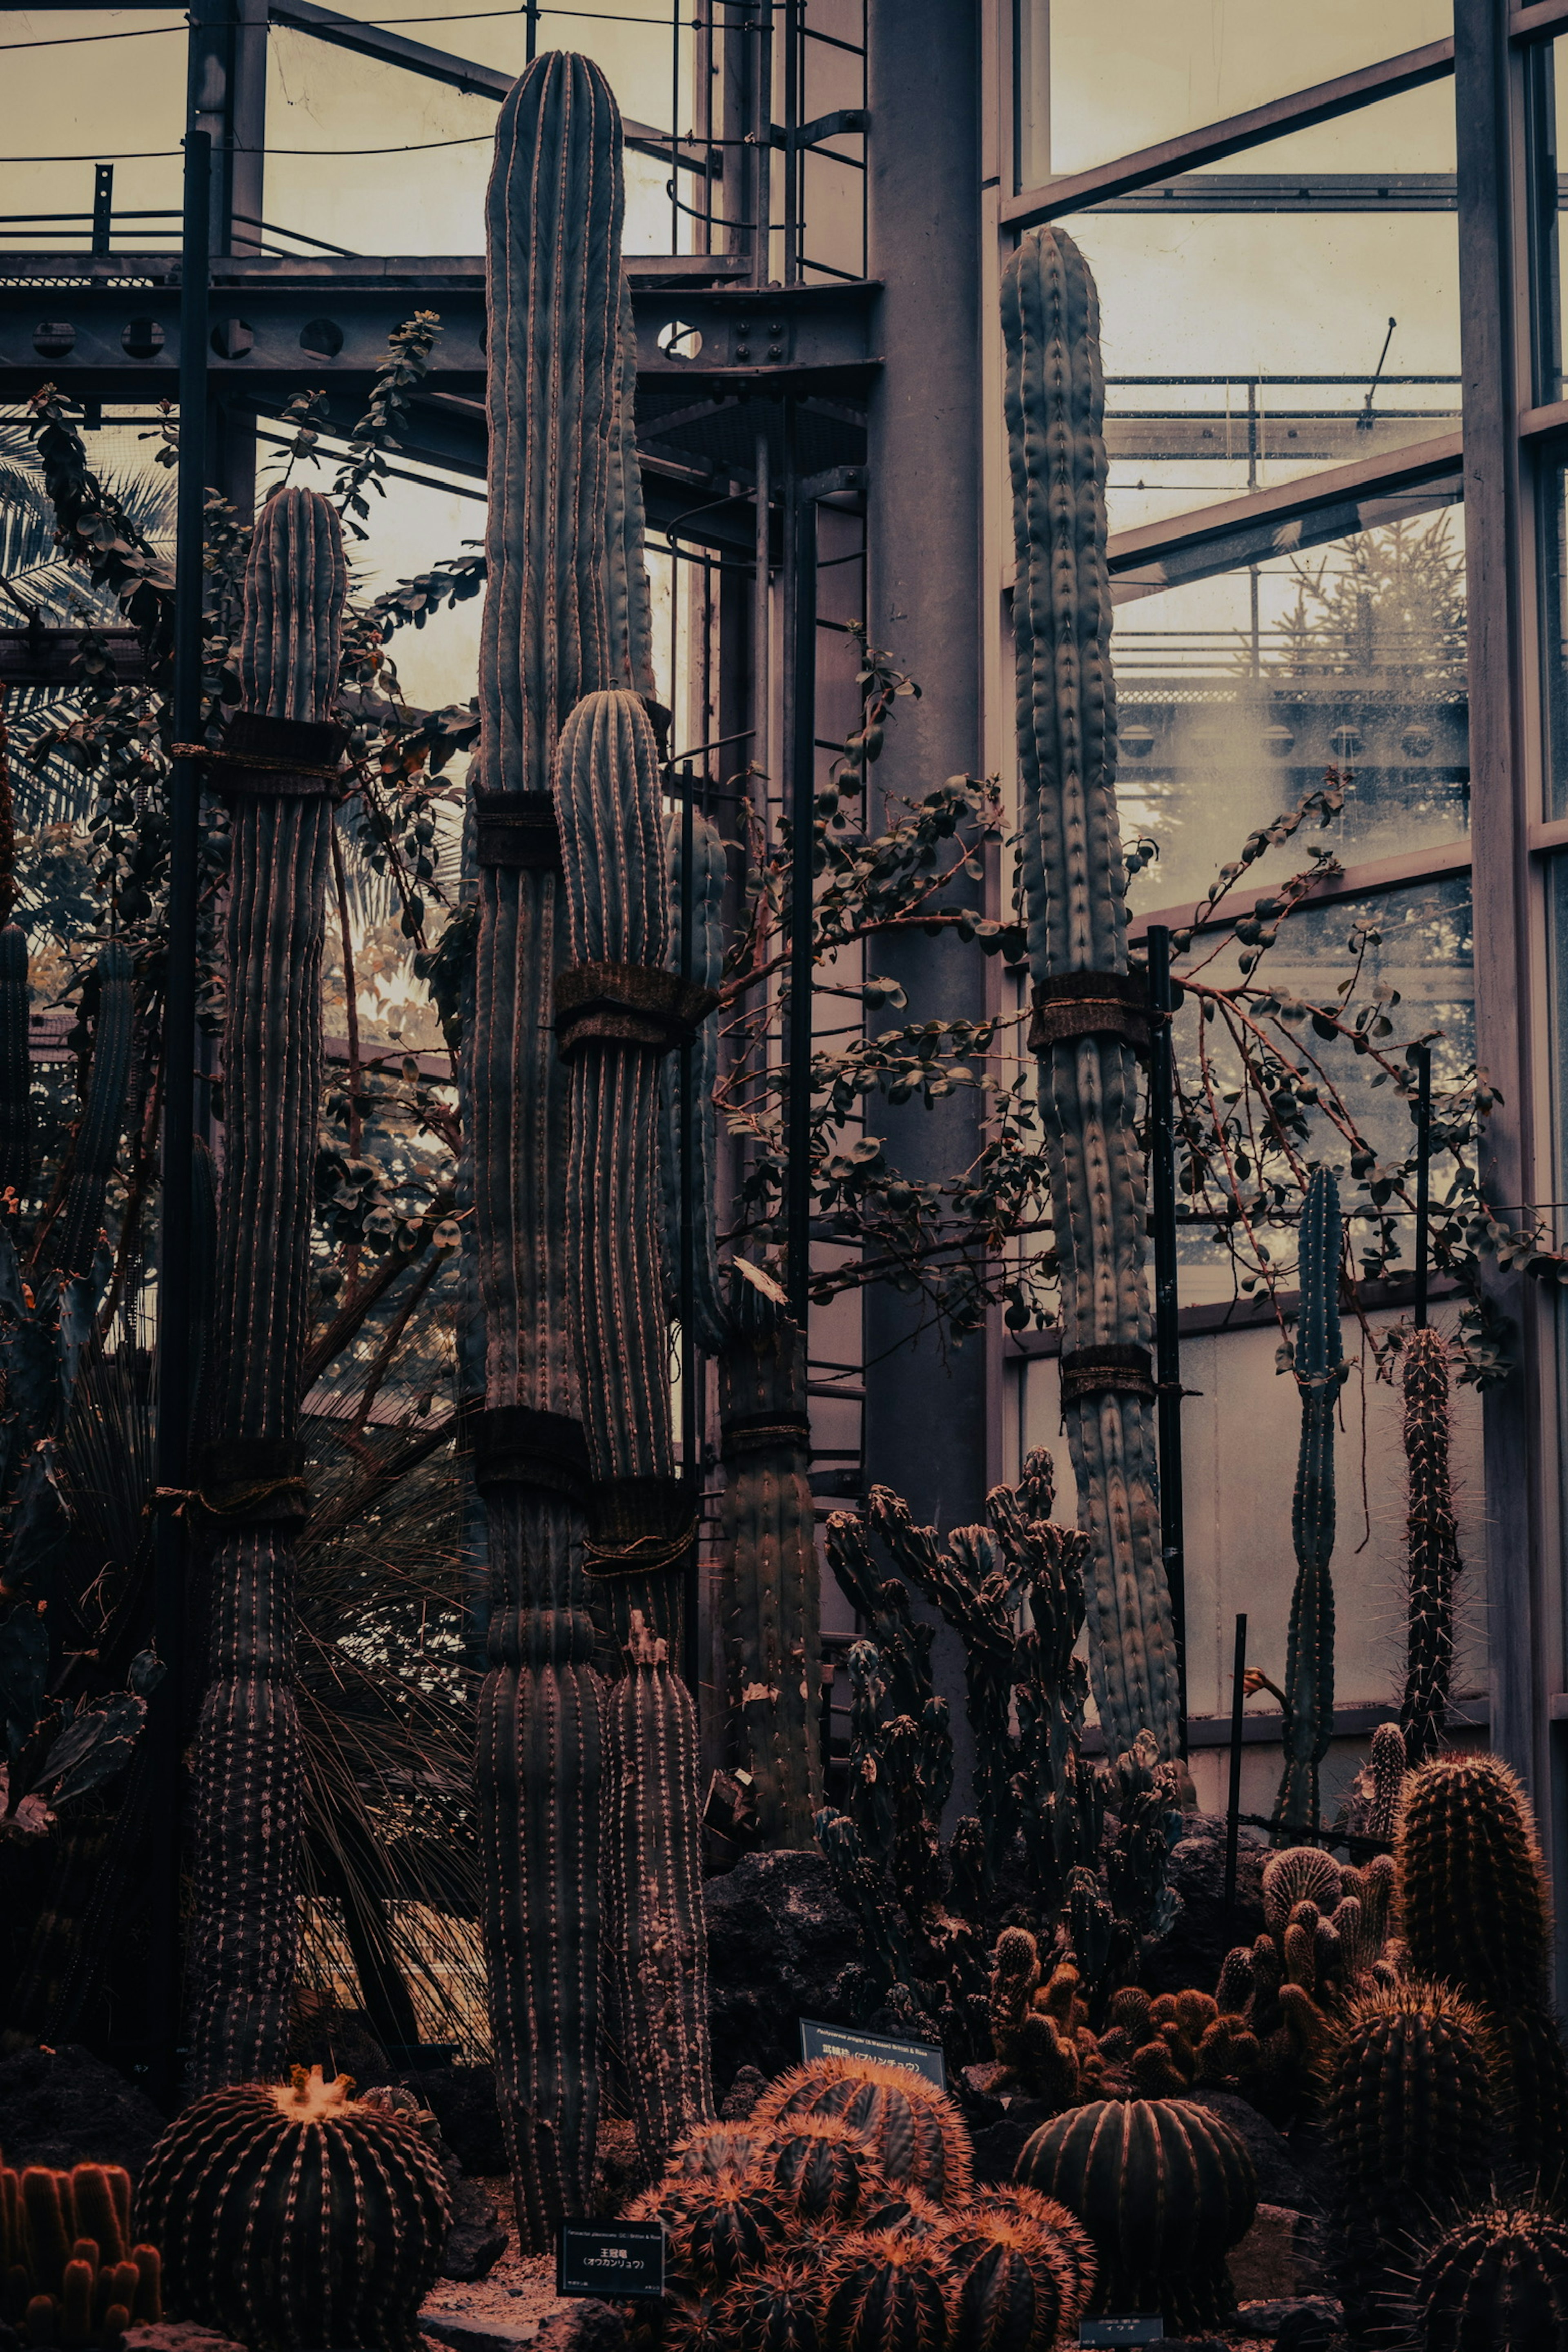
(16, 1066)
(75, 1239)
(709, 1322)
(1075, 901)
(246, 1807)
(630, 606)
(1319, 1366)
(657, 1941)
(773, 1628)
(554, 307)
(1432, 1545)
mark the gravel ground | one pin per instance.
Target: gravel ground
(520, 2287)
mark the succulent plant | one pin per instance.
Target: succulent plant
(776, 2307)
(70, 2274)
(247, 1779)
(295, 2215)
(818, 2169)
(1164, 2190)
(1074, 888)
(1016, 2285)
(711, 2150)
(885, 2292)
(1432, 1560)
(772, 1629)
(1318, 1362)
(1300, 1873)
(716, 2228)
(914, 2130)
(1496, 2281)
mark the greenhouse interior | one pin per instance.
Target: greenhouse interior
(783, 1133)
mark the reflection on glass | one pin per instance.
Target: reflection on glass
(1148, 69)
(1554, 633)
(1237, 694)
(1416, 941)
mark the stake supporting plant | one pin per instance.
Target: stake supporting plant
(1319, 1368)
(1090, 1014)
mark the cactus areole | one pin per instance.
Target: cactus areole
(1090, 1020)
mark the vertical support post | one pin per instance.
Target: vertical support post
(530, 38)
(762, 612)
(792, 118)
(1423, 1177)
(762, 131)
(803, 813)
(174, 1364)
(102, 207)
(1167, 1338)
(1232, 1802)
(690, 1420)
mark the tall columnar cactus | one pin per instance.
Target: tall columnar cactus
(247, 1806)
(15, 1068)
(556, 351)
(75, 1239)
(1088, 1020)
(711, 1325)
(658, 1940)
(1432, 1545)
(774, 1627)
(1318, 1367)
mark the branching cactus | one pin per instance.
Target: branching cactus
(1089, 1019)
(246, 1805)
(1320, 1369)
(1432, 1545)
(658, 1942)
(773, 1628)
(711, 1325)
(555, 305)
(73, 1241)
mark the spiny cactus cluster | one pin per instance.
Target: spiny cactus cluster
(71, 2273)
(839, 2217)
(1074, 887)
(1432, 1561)
(1475, 1912)
(1164, 2189)
(295, 2215)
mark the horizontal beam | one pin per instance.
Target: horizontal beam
(1215, 1315)
(1076, 192)
(1264, 1730)
(1361, 881)
(1539, 23)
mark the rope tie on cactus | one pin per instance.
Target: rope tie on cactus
(637, 1525)
(1089, 1005)
(627, 1004)
(516, 1445)
(519, 830)
(261, 1479)
(1122, 1368)
(294, 758)
(759, 1432)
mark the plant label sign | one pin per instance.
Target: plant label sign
(610, 2259)
(836, 2042)
(1123, 2327)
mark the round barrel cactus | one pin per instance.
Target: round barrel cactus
(294, 2214)
(1497, 2281)
(915, 2132)
(1164, 2189)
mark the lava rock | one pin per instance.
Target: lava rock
(61, 2107)
(339, 2041)
(1296, 2323)
(780, 1947)
(742, 2094)
(586, 2327)
(1266, 2265)
(463, 2101)
(475, 2238)
(997, 2147)
(1193, 1947)
(1280, 2178)
(478, 2335)
(175, 2336)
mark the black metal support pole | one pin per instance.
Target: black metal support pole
(801, 736)
(690, 1417)
(1233, 1804)
(174, 1226)
(102, 207)
(1423, 1177)
(1167, 1339)
(532, 36)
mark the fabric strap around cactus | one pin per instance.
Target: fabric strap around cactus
(517, 1446)
(627, 1004)
(1120, 1367)
(517, 830)
(296, 758)
(638, 1525)
(255, 1479)
(1089, 1005)
(760, 1433)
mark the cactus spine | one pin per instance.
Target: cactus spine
(98, 1135)
(1075, 899)
(1319, 1366)
(1432, 1545)
(246, 1805)
(554, 300)
(774, 1620)
(658, 1946)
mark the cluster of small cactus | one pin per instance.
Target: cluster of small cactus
(1164, 2188)
(1318, 1362)
(295, 2215)
(72, 2274)
(1075, 890)
(840, 2218)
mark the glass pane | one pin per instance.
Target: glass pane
(94, 97)
(1418, 940)
(1237, 694)
(1152, 69)
(1555, 632)
(1260, 326)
